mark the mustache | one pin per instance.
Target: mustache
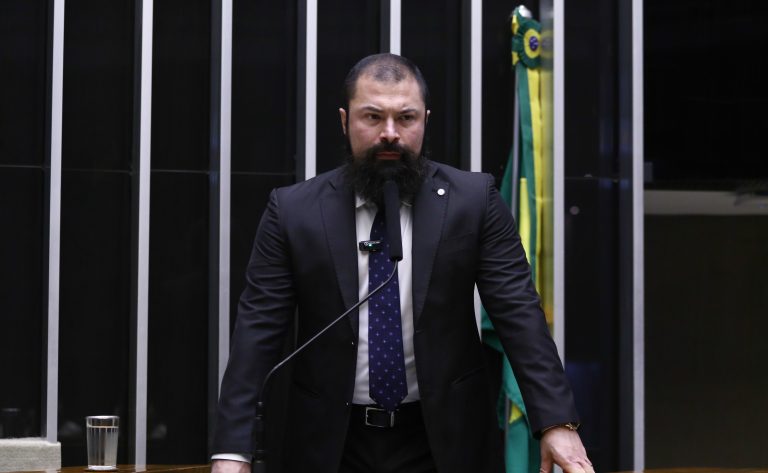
(387, 147)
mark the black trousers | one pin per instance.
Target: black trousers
(402, 448)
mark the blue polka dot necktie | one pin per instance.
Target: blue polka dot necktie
(386, 363)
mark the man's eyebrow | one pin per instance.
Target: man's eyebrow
(374, 108)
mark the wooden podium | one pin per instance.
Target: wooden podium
(143, 469)
(702, 470)
(207, 469)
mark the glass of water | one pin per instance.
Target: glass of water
(101, 439)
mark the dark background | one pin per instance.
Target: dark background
(704, 275)
(23, 204)
(704, 124)
(705, 95)
(706, 359)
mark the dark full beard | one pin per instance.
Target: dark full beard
(368, 174)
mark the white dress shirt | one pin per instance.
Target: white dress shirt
(364, 215)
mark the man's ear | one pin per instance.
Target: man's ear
(343, 116)
(426, 118)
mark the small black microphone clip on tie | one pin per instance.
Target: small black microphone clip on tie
(371, 246)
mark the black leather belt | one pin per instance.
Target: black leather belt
(373, 416)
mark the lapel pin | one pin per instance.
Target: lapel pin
(441, 191)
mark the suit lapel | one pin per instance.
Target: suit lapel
(338, 212)
(428, 216)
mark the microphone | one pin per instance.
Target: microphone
(392, 213)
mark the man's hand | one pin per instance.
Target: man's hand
(230, 466)
(563, 447)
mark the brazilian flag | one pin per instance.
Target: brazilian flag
(525, 188)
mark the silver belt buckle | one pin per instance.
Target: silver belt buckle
(369, 409)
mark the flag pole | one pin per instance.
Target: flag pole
(515, 194)
(525, 13)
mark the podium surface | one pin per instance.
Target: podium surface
(135, 469)
(700, 470)
(207, 469)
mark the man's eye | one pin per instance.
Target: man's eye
(372, 116)
(407, 118)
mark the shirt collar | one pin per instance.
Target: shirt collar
(360, 202)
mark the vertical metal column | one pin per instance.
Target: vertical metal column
(638, 236)
(473, 74)
(476, 87)
(54, 228)
(225, 167)
(558, 171)
(220, 182)
(219, 203)
(310, 90)
(631, 187)
(395, 21)
(144, 140)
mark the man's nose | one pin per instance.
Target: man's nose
(389, 133)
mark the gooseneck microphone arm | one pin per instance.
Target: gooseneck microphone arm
(392, 214)
(259, 452)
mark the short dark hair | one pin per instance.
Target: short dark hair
(384, 67)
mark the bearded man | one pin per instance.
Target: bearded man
(401, 386)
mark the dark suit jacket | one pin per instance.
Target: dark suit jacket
(305, 256)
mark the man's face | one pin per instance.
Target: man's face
(385, 113)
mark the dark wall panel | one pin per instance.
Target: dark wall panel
(23, 36)
(264, 87)
(180, 232)
(591, 320)
(347, 31)
(96, 216)
(591, 89)
(94, 310)
(433, 41)
(705, 121)
(593, 228)
(98, 84)
(21, 289)
(706, 289)
(181, 84)
(178, 319)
